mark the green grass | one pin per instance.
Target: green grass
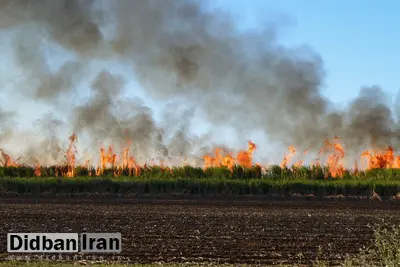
(196, 181)
(205, 186)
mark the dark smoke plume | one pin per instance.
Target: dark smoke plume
(180, 49)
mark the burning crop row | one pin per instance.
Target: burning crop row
(226, 164)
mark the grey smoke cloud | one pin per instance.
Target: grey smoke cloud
(180, 49)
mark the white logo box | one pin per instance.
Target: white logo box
(64, 242)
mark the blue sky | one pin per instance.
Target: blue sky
(358, 39)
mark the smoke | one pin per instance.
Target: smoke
(6, 125)
(67, 22)
(370, 119)
(181, 50)
(51, 150)
(109, 116)
(44, 84)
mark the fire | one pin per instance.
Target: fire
(128, 162)
(7, 160)
(105, 158)
(228, 162)
(244, 158)
(210, 161)
(37, 172)
(70, 156)
(381, 160)
(334, 164)
(299, 163)
(336, 168)
(287, 158)
(125, 163)
(219, 160)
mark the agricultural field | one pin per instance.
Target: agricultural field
(230, 211)
(209, 231)
(200, 132)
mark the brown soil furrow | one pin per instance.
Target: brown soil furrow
(258, 232)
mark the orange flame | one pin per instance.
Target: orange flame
(244, 158)
(7, 160)
(70, 156)
(381, 160)
(37, 171)
(336, 168)
(288, 157)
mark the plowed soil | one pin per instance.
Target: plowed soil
(224, 231)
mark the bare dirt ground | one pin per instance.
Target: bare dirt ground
(224, 231)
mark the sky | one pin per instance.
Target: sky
(358, 40)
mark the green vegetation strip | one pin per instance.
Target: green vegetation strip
(205, 186)
(189, 172)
